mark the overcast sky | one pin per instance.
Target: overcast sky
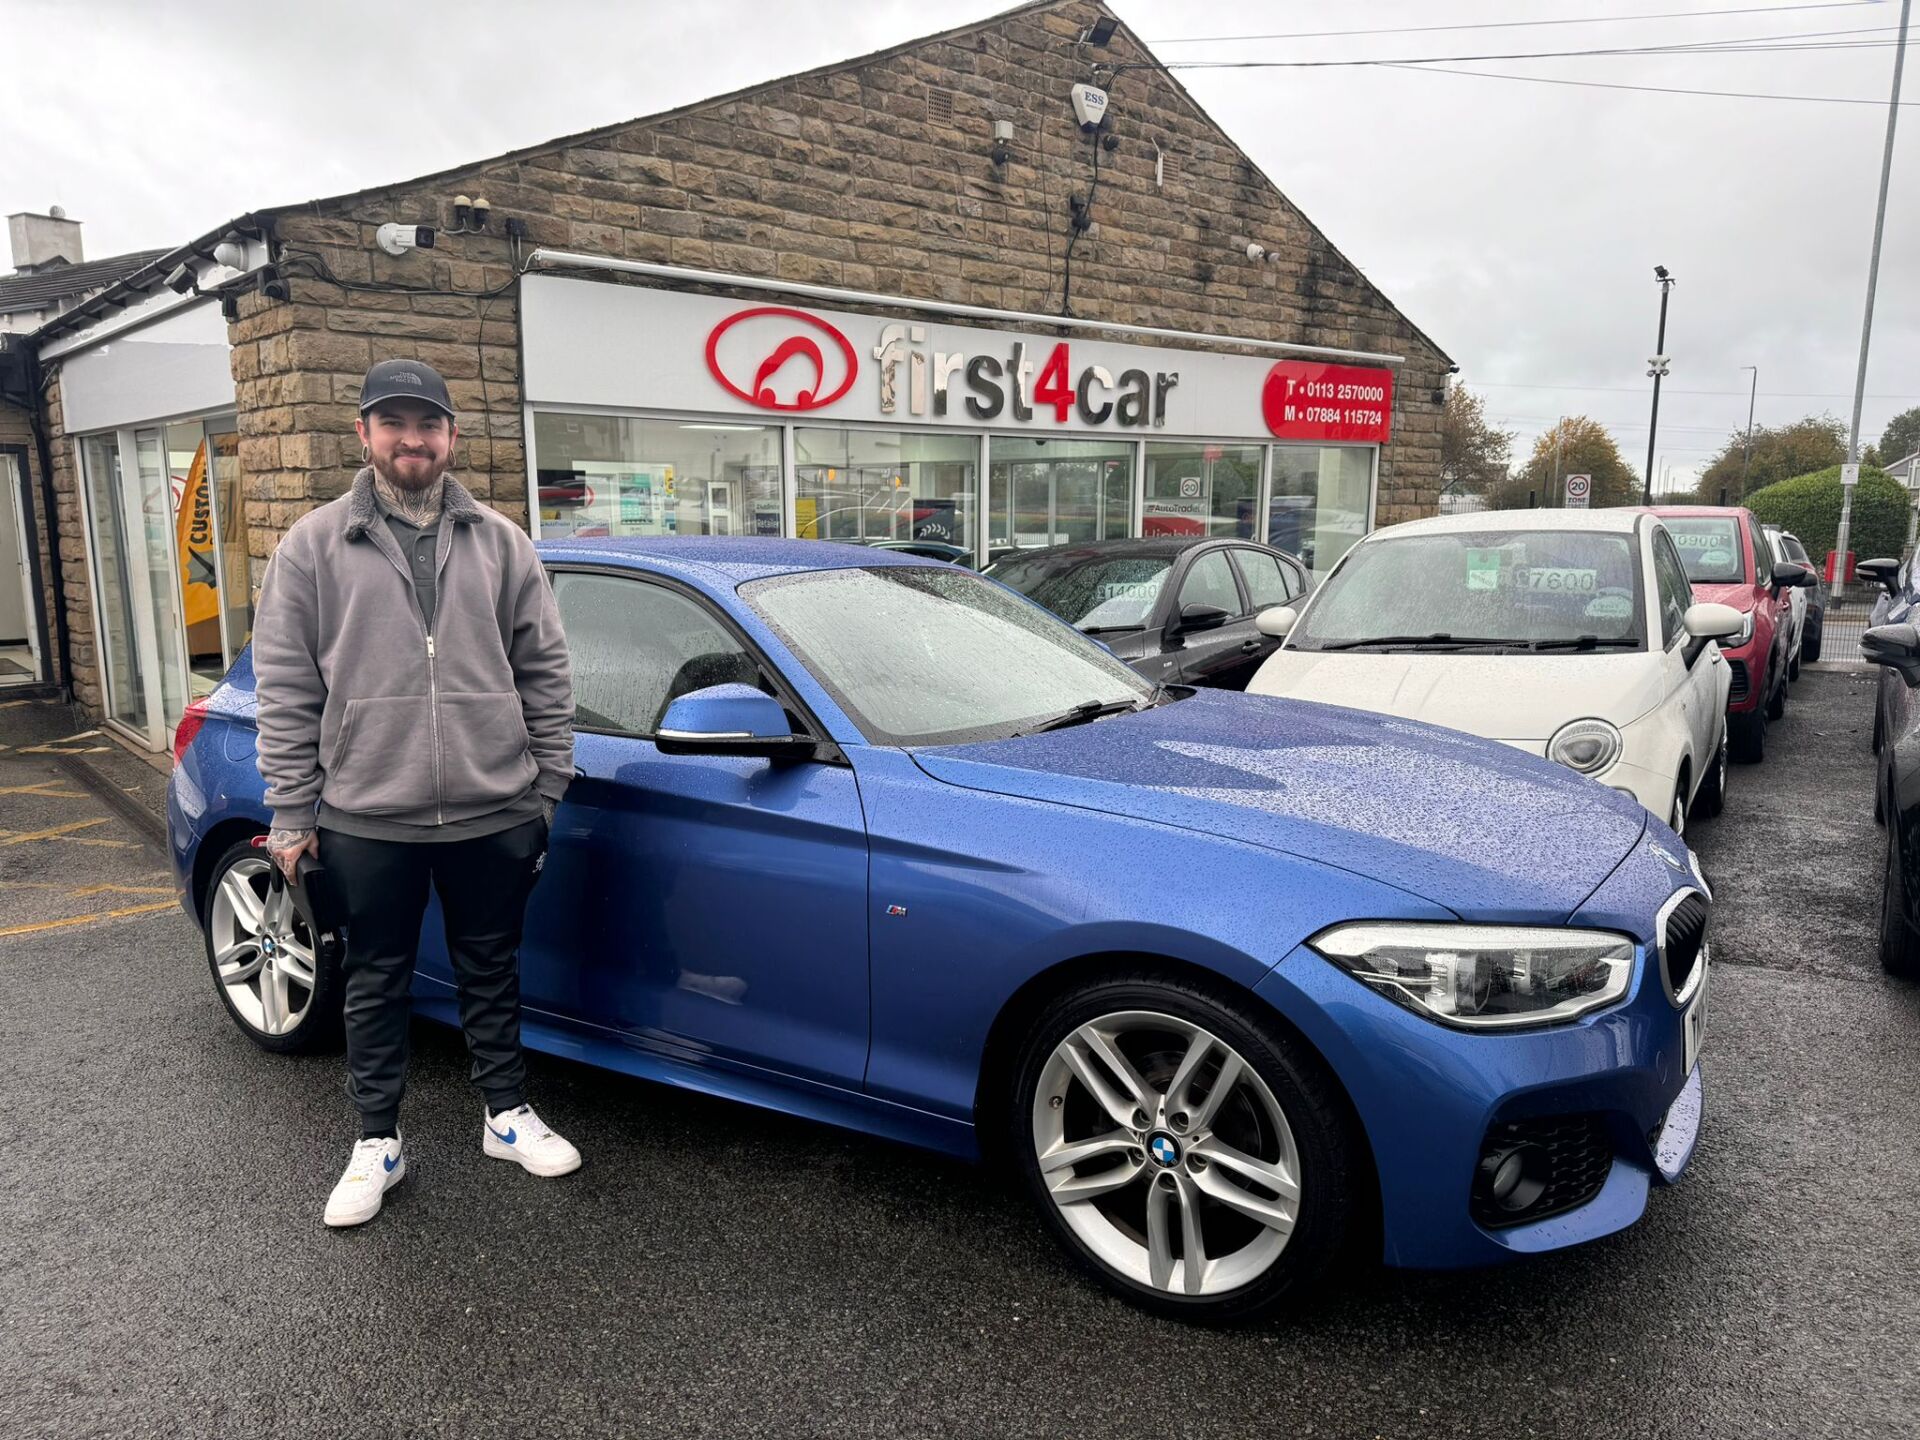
(1518, 223)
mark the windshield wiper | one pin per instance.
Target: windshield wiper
(1081, 713)
(1107, 629)
(1587, 642)
(1437, 641)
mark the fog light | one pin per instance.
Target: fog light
(1515, 1178)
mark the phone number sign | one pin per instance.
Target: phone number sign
(1306, 400)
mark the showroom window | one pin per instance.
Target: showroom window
(623, 475)
(1321, 503)
(1058, 492)
(1200, 489)
(877, 486)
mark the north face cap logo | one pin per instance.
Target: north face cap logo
(409, 376)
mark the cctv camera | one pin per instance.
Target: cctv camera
(181, 279)
(1659, 272)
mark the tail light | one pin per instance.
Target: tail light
(190, 722)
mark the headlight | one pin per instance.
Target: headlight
(1588, 746)
(1486, 976)
(1734, 642)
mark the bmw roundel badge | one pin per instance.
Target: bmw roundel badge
(1164, 1150)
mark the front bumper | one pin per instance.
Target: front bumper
(1748, 668)
(1428, 1096)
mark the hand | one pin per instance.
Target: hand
(547, 807)
(285, 847)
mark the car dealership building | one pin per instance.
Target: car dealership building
(908, 297)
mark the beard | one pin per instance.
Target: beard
(409, 473)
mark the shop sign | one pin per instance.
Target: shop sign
(1306, 400)
(777, 358)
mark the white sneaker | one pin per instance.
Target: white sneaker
(376, 1167)
(522, 1136)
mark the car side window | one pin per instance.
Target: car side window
(1268, 581)
(637, 646)
(1675, 593)
(1210, 582)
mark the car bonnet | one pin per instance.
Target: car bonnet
(1467, 823)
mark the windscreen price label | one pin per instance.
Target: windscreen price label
(1562, 581)
(1304, 400)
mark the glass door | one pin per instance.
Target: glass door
(19, 586)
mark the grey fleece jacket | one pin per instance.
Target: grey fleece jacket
(360, 708)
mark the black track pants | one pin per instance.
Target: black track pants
(483, 884)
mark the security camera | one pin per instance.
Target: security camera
(399, 239)
(181, 279)
(1256, 251)
(1660, 272)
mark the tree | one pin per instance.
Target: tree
(1779, 453)
(1575, 445)
(1474, 454)
(1901, 437)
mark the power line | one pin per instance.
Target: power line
(1513, 24)
(1638, 389)
(1650, 89)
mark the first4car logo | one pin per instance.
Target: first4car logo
(781, 359)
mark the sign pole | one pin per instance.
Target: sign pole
(1852, 470)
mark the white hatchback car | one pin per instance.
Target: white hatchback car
(1569, 634)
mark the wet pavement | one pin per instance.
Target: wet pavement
(716, 1271)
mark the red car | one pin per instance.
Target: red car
(1731, 562)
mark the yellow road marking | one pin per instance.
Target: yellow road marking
(55, 748)
(16, 704)
(84, 891)
(85, 919)
(43, 788)
(56, 832)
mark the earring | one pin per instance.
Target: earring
(366, 454)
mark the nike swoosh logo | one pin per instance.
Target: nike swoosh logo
(390, 1161)
(506, 1139)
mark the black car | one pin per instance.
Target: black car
(1177, 608)
(1896, 736)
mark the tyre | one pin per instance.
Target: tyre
(1186, 1152)
(1810, 647)
(1748, 734)
(1899, 946)
(279, 982)
(1677, 811)
(1711, 798)
(1777, 701)
(1793, 667)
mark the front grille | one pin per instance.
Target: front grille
(1738, 669)
(1563, 1161)
(1683, 942)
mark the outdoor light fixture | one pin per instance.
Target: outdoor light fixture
(1100, 32)
(1002, 141)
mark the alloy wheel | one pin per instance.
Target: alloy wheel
(263, 952)
(1166, 1154)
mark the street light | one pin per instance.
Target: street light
(1746, 454)
(1657, 368)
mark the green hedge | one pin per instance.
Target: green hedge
(1809, 506)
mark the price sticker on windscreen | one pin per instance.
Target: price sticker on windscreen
(1483, 569)
(1560, 580)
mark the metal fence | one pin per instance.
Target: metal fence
(1846, 622)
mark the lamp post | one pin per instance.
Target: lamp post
(1657, 368)
(1746, 454)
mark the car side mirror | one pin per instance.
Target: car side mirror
(1896, 646)
(1708, 621)
(730, 720)
(1788, 576)
(1884, 573)
(1276, 620)
(1200, 617)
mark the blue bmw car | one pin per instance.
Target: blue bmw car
(1234, 983)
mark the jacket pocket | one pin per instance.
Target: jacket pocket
(484, 753)
(383, 757)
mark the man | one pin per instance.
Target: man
(416, 728)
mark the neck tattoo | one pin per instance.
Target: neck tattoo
(416, 507)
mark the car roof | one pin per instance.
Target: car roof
(1139, 545)
(723, 559)
(1729, 511)
(1615, 521)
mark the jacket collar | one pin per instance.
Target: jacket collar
(457, 504)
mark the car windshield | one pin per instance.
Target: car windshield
(1092, 591)
(1709, 547)
(926, 655)
(1796, 552)
(1540, 589)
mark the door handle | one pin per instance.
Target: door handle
(1247, 647)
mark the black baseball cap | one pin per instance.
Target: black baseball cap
(404, 380)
